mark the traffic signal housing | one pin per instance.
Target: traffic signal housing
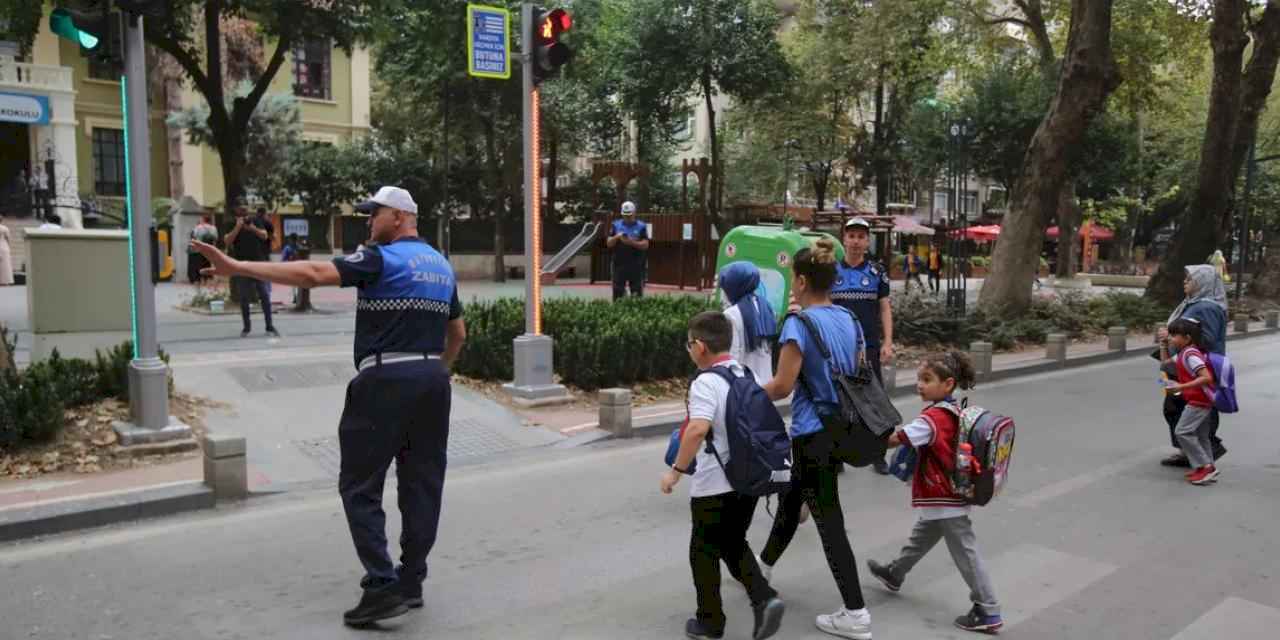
(549, 54)
(98, 31)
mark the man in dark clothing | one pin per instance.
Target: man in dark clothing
(629, 240)
(862, 286)
(250, 241)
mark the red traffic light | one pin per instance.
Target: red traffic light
(554, 24)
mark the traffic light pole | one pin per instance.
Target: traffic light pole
(533, 383)
(148, 374)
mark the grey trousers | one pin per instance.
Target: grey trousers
(1194, 432)
(964, 551)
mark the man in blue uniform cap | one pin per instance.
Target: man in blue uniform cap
(409, 330)
(862, 286)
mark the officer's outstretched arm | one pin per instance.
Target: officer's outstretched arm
(305, 274)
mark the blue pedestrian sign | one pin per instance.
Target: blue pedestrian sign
(488, 42)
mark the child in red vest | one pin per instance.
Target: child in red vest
(1195, 383)
(943, 513)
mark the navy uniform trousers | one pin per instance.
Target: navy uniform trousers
(395, 411)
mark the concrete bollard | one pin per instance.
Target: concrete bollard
(1055, 348)
(225, 467)
(1242, 323)
(1118, 339)
(615, 412)
(980, 353)
(890, 377)
(1273, 319)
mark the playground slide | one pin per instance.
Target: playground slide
(557, 262)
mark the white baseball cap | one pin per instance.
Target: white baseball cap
(628, 208)
(393, 197)
(857, 223)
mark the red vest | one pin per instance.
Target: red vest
(932, 484)
(1195, 397)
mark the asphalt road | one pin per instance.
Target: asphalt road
(1093, 539)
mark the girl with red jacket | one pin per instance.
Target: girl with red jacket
(944, 514)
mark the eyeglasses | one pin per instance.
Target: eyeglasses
(688, 345)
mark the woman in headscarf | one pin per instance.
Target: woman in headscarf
(754, 325)
(1205, 303)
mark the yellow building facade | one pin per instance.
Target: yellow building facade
(62, 112)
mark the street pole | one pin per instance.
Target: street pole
(148, 374)
(533, 369)
(1250, 170)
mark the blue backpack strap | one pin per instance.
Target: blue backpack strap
(728, 377)
(818, 342)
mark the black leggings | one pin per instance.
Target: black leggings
(813, 482)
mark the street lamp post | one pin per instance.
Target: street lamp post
(957, 220)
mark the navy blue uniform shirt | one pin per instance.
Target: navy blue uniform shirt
(624, 256)
(860, 289)
(407, 295)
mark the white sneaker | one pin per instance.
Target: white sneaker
(765, 570)
(847, 624)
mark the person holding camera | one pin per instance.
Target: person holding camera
(250, 241)
(629, 241)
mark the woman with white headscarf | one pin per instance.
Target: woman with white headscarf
(1206, 304)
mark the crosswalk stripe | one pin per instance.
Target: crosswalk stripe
(1234, 618)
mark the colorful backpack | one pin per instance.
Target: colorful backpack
(991, 437)
(1223, 392)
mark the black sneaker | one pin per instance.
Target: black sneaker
(884, 575)
(696, 628)
(1218, 452)
(244, 333)
(980, 622)
(1176, 460)
(768, 618)
(375, 605)
(273, 333)
(881, 467)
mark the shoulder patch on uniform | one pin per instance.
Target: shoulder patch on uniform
(355, 257)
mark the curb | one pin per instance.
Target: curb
(663, 426)
(70, 514)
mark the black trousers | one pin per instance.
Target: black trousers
(1173, 406)
(813, 482)
(935, 280)
(624, 278)
(719, 534)
(396, 411)
(195, 262)
(249, 287)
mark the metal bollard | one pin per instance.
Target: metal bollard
(1273, 319)
(1118, 339)
(1055, 348)
(615, 412)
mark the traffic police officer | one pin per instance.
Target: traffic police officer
(629, 262)
(862, 286)
(409, 330)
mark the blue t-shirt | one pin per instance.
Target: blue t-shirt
(860, 289)
(407, 295)
(624, 256)
(843, 337)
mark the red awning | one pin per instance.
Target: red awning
(1095, 232)
(981, 233)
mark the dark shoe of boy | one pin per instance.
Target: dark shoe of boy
(696, 628)
(768, 618)
(1218, 451)
(884, 575)
(375, 605)
(980, 622)
(881, 467)
(1177, 460)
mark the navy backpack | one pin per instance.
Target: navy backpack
(759, 447)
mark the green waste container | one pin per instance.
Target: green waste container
(771, 249)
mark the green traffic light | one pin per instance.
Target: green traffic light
(63, 23)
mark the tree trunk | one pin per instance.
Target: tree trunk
(6, 355)
(1236, 100)
(821, 176)
(1088, 76)
(231, 157)
(173, 103)
(1266, 281)
(500, 202)
(878, 157)
(1070, 215)
(717, 176)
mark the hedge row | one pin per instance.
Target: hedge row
(33, 401)
(598, 343)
